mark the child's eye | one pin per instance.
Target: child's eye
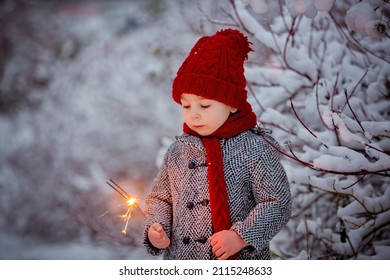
(205, 106)
(186, 106)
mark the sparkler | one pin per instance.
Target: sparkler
(132, 202)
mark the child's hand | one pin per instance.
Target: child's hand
(158, 237)
(226, 243)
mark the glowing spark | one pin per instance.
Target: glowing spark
(132, 202)
(103, 214)
(126, 217)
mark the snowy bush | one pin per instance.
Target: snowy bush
(319, 79)
(84, 97)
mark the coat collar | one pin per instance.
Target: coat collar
(196, 142)
(191, 140)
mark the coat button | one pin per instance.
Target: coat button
(204, 202)
(186, 240)
(190, 205)
(202, 239)
(191, 164)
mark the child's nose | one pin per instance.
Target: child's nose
(195, 113)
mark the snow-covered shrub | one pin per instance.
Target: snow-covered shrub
(84, 97)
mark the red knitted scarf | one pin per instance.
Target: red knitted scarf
(235, 124)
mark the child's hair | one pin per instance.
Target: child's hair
(214, 69)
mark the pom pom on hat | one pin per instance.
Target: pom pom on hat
(214, 69)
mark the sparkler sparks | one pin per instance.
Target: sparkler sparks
(132, 202)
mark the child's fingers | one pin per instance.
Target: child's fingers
(158, 237)
(213, 240)
(163, 241)
(157, 232)
(157, 227)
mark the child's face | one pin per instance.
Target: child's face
(204, 116)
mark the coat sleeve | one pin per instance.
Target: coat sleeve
(159, 205)
(273, 200)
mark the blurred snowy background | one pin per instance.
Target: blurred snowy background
(85, 96)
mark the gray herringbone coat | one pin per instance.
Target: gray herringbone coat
(258, 191)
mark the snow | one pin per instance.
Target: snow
(308, 8)
(66, 251)
(359, 16)
(102, 114)
(253, 26)
(298, 6)
(323, 5)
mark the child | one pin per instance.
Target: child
(222, 192)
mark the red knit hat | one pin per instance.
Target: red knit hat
(214, 69)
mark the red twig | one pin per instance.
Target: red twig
(214, 21)
(291, 37)
(299, 119)
(350, 186)
(239, 19)
(296, 215)
(310, 165)
(372, 147)
(354, 89)
(255, 97)
(334, 92)
(318, 108)
(353, 113)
